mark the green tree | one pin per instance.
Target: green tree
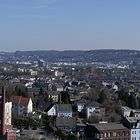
(41, 91)
(94, 119)
(102, 97)
(21, 90)
(65, 98)
(93, 94)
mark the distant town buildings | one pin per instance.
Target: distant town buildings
(84, 95)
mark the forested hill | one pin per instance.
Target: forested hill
(83, 56)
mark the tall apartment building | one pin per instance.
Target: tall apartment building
(6, 128)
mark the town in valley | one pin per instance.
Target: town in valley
(70, 95)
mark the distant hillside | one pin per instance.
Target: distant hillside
(83, 56)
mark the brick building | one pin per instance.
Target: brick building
(107, 131)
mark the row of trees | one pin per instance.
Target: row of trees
(130, 98)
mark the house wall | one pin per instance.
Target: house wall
(14, 109)
(80, 107)
(95, 111)
(64, 114)
(52, 111)
(54, 97)
(118, 134)
(89, 111)
(60, 89)
(135, 134)
(136, 114)
(30, 106)
(8, 113)
(21, 110)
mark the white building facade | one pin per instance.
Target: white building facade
(135, 132)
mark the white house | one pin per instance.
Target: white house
(47, 108)
(21, 106)
(52, 111)
(81, 105)
(94, 108)
(126, 111)
(136, 112)
(59, 74)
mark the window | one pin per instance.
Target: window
(109, 134)
(101, 135)
(123, 133)
(133, 132)
(133, 138)
(114, 134)
(119, 133)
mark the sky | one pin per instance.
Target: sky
(69, 24)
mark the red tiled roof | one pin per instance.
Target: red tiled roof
(19, 100)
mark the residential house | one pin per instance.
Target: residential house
(47, 108)
(126, 111)
(66, 124)
(94, 108)
(53, 96)
(33, 92)
(59, 73)
(51, 111)
(64, 110)
(136, 112)
(15, 81)
(33, 73)
(21, 105)
(81, 105)
(59, 88)
(107, 131)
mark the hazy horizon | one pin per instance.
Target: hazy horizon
(28, 25)
(70, 50)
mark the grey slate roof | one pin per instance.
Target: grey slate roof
(44, 106)
(64, 107)
(61, 122)
(108, 126)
